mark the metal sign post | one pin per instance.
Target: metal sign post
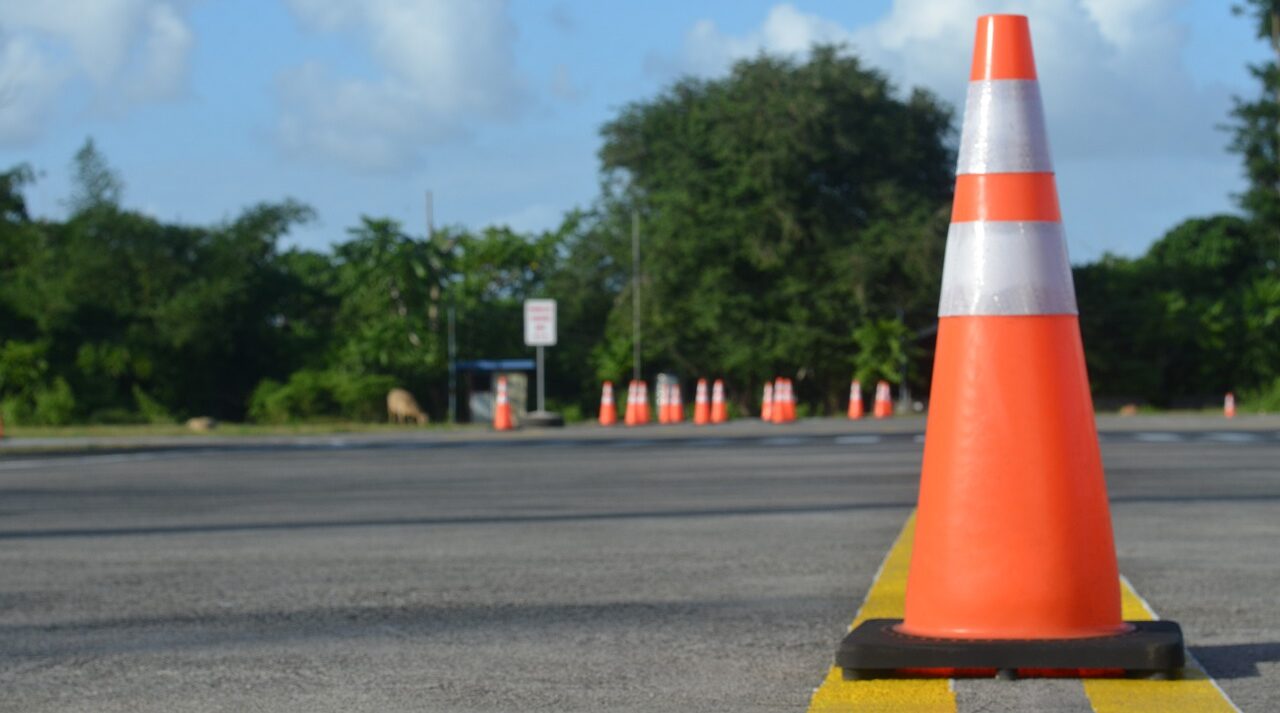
(539, 332)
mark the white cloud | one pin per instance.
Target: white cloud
(1112, 72)
(28, 87)
(443, 63)
(785, 30)
(129, 51)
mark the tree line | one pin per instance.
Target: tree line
(793, 217)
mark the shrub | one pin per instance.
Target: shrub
(54, 404)
(1263, 400)
(311, 394)
(152, 411)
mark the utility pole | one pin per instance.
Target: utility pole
(431, 218)
(904, 393)
(635, 295)
(453, 371)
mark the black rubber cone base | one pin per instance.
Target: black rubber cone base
(876, 648)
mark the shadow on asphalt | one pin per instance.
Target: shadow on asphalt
(450, 521)
(213, 528)
(413, 621)
(1236, 660)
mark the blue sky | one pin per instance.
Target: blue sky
(361, 106)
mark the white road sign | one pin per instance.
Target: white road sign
(540, 323)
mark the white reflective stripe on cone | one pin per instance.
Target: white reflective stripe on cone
(1006, 268)
(1004, 129)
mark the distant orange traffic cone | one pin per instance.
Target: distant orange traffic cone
(502, 408)
(676, 404)
(719, 409)
(855, 400)
(779, 400)
(1229, 405)
(608, 411)
(701, 406)
(642, 403)
(883, 407)
(791, 400)
(629, 417)
(664, 402)
(1013, 563)
(766, 403)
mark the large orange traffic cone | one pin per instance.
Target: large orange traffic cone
(608, 411)
(1228, 405)
(766, 403)
(855, 400)
(502, 408)
(719, 409)
(883, 407)
(701, 407)
(1013, 564)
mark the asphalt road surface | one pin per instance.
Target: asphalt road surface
(633, 573)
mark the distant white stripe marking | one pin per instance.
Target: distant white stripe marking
(707, 442)
(1231, 437)
(857, 440)
(59, 462)
(1157, 437)
(783, 441)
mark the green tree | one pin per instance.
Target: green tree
(1256, 135)
(781, 206)
(883, 350)
(389, 287)
(95, 183)
(1196, 315)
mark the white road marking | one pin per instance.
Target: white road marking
(784, 441)
(1231, 437)
(1157, 437)
(857, 440)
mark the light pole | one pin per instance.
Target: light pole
(635, 295)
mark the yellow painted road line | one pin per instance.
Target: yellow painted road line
(1195, 691)
(885, 601)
